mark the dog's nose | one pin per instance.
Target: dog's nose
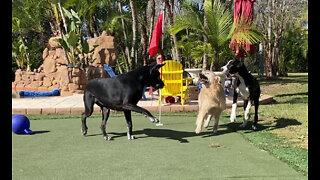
(159, 86)
(221, 68)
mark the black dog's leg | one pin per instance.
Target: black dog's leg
(127, 115)
(105, 116)
(234, 106)
(140, 110)
(84, 128)
(256, 107)
(88, 104)
(245, 103)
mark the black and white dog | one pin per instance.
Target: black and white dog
(120, 93)
(247, 86)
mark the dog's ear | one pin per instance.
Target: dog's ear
(238, 63)
(217, 80)
(156, 67)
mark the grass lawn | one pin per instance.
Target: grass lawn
(284, 122)
(57, 150)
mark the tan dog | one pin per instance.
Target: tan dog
(212, 100)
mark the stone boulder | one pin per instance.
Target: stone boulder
(106, 52)
(54, 72)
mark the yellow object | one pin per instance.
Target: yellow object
(174, 84)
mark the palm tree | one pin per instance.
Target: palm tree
(218, 30)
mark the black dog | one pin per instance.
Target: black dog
(248, 87)
(120, 93)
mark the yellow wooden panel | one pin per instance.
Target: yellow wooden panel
(172, 76)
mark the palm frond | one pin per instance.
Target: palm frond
(245, 32)
(190, 18)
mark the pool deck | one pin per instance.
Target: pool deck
(73, 104)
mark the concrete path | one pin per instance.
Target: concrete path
(74, 104)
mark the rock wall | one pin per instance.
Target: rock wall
(53, 73)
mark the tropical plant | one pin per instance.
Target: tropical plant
(20, 49)
(219, 29)
(19, 53)
(293, 56)
(30, 26)
(74, 43)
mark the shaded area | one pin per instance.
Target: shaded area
(182, 136)
(36, 132)
(302, 79)
(293, 94)
(277, 124)
(293, 98)
(40, 132)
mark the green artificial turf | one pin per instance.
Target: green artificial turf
(57, 150)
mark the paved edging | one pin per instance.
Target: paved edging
(265, 99)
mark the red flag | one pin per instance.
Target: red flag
(156, 35)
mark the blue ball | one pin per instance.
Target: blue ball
(21, 124)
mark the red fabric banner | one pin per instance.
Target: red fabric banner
(156, 35)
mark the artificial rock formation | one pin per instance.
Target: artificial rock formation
(53, 73)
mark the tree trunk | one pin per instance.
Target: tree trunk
(63, 18)
(205, 40)
(134, 35)
(215, 63)
(126, 53)
(95, 26)
(144, 39)
(268, 60)
(153, 11)
(169, 9)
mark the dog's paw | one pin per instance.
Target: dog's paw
(215, 131)
(247, 116)
(107, 138)
(254, 127)
(84, 132)
(198, 130)
(131, 137)
(206, 123)
(154, 120)
(243, 125)
(232, 118)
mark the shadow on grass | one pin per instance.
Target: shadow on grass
(301, 97)
(284, 80)
(182, 136)
(293, 94)
(40, 132)
(36, 132)
(277, 124)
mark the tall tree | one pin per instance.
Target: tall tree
(152, 15)
(274, 18)
(205, 40)
(134, 54)
(169, 6)
(127, 56)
